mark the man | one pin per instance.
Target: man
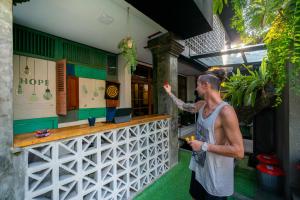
(218, 140)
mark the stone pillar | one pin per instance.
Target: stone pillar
(288, 137)
(294, 137)
(165, 51)
(11, 172)
(124, 78)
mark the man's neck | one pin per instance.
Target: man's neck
(212, 99)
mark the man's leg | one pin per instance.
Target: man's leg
(211, 197)
(196, 190)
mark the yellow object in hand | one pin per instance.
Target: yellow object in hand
(192, 137)
(187, 139)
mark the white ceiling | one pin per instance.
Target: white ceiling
(78, 20)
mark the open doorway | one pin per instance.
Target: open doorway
(141, 91)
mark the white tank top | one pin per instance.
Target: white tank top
(213, 171)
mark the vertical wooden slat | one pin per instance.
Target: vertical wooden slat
(34, 43)
(61, 90)
(46, 47)
(14, 38)
(31, 42)
(19, 40)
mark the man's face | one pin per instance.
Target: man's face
(201, 88)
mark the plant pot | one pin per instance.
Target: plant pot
(92, 121)
(129, 43)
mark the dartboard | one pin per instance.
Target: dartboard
(112, 91)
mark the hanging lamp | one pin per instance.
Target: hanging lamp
(47, 95)
(27, 70)
(33, 96)
(19, 89)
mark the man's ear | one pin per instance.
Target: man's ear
(205, 84)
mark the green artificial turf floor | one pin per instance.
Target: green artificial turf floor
(174, 185)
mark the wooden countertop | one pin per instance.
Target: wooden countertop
(28, 139)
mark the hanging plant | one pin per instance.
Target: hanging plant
(128, 51)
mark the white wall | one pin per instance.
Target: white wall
(23, 105)
(124, 78)
(191, 88)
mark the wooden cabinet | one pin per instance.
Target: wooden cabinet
(72, 93)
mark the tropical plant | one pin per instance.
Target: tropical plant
(241, 90)
(277, 23)
(252, 18)
(295, 82)
(218, 5)
(128, 51)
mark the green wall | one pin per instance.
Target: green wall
(85, 113)
(30, 125)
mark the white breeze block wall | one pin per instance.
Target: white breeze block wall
(114, 164)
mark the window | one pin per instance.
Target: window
(182, 88)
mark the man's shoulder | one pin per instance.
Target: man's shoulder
(227, 110)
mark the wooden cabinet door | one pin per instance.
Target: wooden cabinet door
(72, 93)
(61, 90)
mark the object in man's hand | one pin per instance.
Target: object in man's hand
(166, 83)
(187, 139)
(42, 133)
(192, 138)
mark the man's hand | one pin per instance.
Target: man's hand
(167, 88)
(196, 145)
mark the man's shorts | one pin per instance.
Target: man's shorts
(199, 193)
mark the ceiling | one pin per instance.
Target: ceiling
(187, 70)
(98, 23)
(81, 21)
(186, 19)
(248, 55)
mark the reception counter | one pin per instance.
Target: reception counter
(107, 161)
(28, 139)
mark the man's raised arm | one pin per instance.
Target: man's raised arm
(189, 107)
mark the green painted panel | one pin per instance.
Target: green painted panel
(85, 113)
(30, 125)
(34, 43)
(89, 72)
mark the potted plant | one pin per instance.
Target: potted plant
(128, 51)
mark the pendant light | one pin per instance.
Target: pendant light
(19, 89)
(47, 95)
(27, 70)
(33, 96)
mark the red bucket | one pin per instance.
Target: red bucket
(270, 177)
(268, 159)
